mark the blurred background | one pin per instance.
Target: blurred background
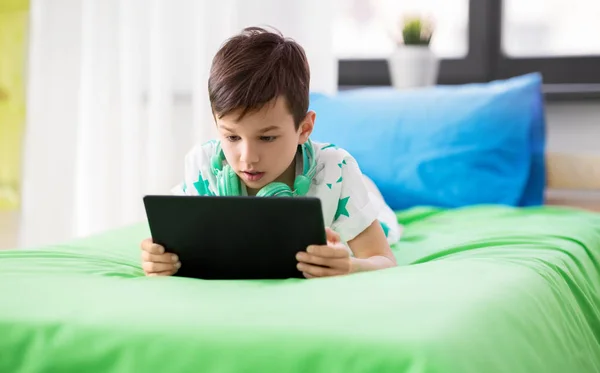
(101, 99)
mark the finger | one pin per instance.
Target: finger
(152, 248)
(145, 245)
(332, 236)
(152, 267)
(317, 271)
(307, 275)
(159, 258)
(313, 259)
(164, 273)
(321, 261)
(328, 251)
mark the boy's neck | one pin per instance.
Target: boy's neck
(289, 175)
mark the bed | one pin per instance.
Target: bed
(479, 288)
(484, 288)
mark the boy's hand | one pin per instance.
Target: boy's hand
(157, 262)
(332, 259)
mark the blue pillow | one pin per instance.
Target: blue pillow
(447, 146)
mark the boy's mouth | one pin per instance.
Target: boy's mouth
(252, 175)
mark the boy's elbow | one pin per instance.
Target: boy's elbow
(372, 242)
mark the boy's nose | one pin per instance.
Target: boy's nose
(249, 155)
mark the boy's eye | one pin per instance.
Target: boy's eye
(233, 138)
(268, 138)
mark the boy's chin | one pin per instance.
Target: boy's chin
(254, 187)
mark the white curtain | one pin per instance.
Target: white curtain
(117, 94)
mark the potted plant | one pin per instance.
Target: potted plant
(413, 63)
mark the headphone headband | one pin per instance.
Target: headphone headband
(229, 184)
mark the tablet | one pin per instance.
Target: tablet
(236, 238)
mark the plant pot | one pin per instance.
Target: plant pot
(413, 66)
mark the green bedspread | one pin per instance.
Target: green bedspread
(482, 289)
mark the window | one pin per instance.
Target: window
(558, 38)
(551, 28)
(363, 30)
(366, 29)
(478, 40)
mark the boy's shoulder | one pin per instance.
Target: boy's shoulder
(331, 155)
(330, 147)
(200, 155)
(203, 150)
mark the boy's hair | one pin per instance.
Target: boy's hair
(255, 67)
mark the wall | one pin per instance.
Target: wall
(574, 126)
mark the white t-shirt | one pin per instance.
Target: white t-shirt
(350, 201)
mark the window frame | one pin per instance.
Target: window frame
(485, 61)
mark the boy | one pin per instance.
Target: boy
(259, 94)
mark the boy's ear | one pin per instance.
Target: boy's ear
(306, 126)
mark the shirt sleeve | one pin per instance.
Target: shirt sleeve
(196, 178)
(355, 209)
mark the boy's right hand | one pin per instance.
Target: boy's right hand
(157, 262)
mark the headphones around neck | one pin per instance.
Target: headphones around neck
(228, 183)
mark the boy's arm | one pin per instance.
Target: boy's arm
(370, 247)
(357, 221)
(371, 250)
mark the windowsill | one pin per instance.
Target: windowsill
(571, 92)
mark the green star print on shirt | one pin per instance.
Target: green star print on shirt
(385, 227)
(329, 146)
(341, 208)
(202, 186)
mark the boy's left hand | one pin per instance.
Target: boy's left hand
(332, 259)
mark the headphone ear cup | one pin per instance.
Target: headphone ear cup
(301, 185)
(216, 163)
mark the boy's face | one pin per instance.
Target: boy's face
(262, 146)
